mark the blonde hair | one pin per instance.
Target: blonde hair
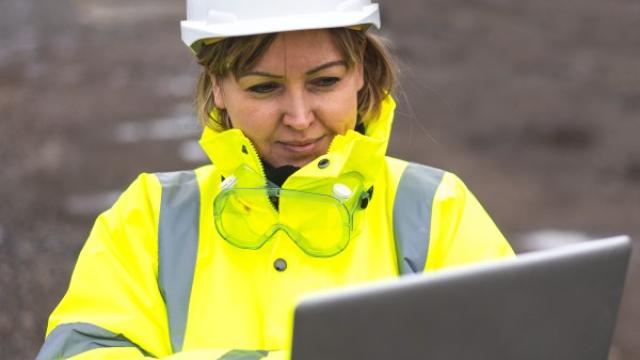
(238, 55)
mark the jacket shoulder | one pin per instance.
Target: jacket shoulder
(140, 204)
(137, 203)
(404, 173)
(184, 177)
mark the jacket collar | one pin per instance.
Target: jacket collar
(351, 152)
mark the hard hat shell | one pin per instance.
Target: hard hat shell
(216, 19)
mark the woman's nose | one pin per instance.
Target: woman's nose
(297, 111)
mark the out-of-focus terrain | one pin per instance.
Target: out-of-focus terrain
(535, 104)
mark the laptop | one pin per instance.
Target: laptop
(553, 304)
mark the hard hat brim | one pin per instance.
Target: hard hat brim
(194, 32)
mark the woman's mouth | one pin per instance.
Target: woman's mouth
(301, 147)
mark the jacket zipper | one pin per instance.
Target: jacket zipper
(256, 158)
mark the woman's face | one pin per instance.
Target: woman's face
(296, 99)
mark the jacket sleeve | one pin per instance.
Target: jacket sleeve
(113, 308)
(202, 354)
(113, 299)
(462, 231)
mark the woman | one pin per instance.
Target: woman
(300, 197)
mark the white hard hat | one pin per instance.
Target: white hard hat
(217, 19)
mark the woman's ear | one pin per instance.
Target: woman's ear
(216, 89)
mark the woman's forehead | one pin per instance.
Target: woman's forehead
(299, 51)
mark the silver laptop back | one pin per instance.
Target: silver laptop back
(555, 304)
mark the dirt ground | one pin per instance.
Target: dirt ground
(535, 104)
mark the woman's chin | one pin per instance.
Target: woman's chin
(298, 161)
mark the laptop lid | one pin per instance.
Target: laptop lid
(554, 304)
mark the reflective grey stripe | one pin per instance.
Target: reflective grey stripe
(412, 216)
(178, 247)
(244, 355)
(72, 339)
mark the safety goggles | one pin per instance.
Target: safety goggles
(321, 222)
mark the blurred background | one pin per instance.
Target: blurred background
(535, 104)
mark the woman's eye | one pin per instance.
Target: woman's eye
(264, 88)
(326, 81)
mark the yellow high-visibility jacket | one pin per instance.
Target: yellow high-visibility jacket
(155, 278)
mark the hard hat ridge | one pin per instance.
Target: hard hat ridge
(217, 19)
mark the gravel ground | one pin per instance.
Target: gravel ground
(535, 104)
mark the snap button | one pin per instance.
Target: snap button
(323, 163)
(280, 265)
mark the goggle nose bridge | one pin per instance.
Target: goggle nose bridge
(275, 228)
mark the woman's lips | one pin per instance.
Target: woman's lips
(301, 147)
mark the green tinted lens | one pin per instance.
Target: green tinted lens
(244, 217)
(318, 223)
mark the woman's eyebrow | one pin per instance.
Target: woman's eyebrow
(327, 65)
(260, 73)
(309, 72)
